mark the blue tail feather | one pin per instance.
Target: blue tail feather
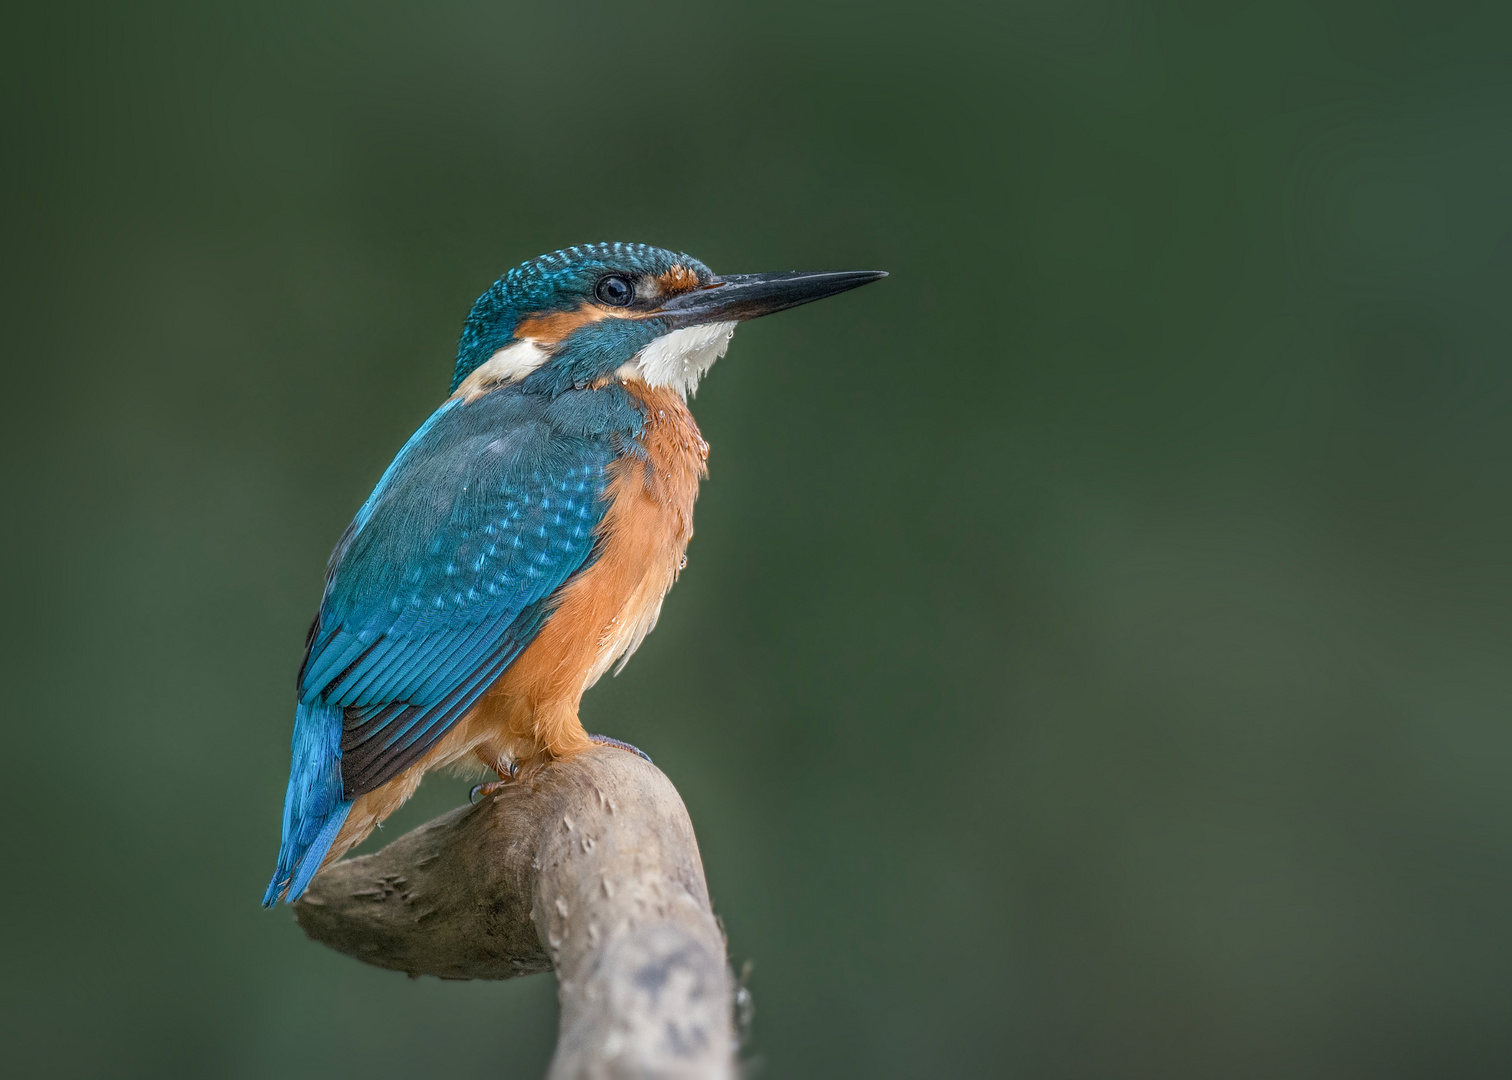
(317, 851)
(314, 807)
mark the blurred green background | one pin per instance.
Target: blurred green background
(1094, 655)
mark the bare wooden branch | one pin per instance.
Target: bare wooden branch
(590, 867)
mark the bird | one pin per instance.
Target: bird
(521, 541)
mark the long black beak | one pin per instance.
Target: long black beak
(737, 297)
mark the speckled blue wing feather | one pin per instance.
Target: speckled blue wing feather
(443, 578)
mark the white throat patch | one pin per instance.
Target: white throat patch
(679, 359)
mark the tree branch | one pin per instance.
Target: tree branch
(590, 867)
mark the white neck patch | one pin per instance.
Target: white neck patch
(508, 364)
(679, 359)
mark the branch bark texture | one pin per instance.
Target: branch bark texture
(589, 867)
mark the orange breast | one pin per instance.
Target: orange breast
(603, 614)
(605, 611)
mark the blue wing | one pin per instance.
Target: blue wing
(443, 578)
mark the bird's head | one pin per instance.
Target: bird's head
(584, 315)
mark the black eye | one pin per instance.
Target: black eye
(614, 291)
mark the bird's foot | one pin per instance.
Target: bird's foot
(482, 790)
(605, 740)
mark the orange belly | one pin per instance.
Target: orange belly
(600, 615)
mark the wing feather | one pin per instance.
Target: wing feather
(449, 569)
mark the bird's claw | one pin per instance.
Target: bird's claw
(605, 740)
(492, 786)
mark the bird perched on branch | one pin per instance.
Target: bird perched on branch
(522, 540)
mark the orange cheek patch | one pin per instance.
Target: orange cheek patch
(555, 326)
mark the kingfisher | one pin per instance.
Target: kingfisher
(522, 540)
